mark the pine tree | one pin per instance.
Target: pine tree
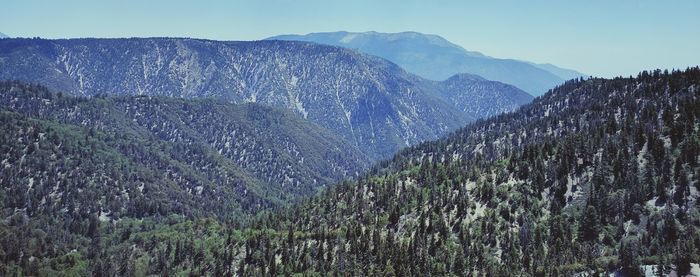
(629, 256)
(670, 228)
(589, 226)
(683, 254)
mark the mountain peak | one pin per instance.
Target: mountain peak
(465, 76)
(350, 39)
(436, 58)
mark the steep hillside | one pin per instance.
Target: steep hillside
(435, 58)
(480, 98)
(156, 156)
(598, 175)
(368, 101)
(594, 177)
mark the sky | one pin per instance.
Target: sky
(600, 38)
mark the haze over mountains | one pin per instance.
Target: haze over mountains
(566, 74)
(325, 157)
(370, 102)
(433, 57)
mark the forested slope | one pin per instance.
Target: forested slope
(69, 165)
(596, 175)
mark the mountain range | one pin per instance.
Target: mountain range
(435, 58)
(191, 157)
(596, 176)
(368, 101)
(3, 35)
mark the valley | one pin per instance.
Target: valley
(349, 138)
(597, 174)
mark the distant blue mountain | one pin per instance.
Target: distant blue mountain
(435, 58)
(564, 73)
(3, 35)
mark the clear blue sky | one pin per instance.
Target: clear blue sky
(603, 38)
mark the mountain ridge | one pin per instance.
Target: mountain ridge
(597, 175)
(365, 99)
(435, 58)
(563, 73)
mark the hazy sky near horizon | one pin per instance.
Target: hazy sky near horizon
(601, 38)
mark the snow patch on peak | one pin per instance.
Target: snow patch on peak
(348, 38)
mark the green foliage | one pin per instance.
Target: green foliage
(559, 197)
(71, 165)
(555, 196)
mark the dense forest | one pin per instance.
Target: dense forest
(69, 165)
(596, 176)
